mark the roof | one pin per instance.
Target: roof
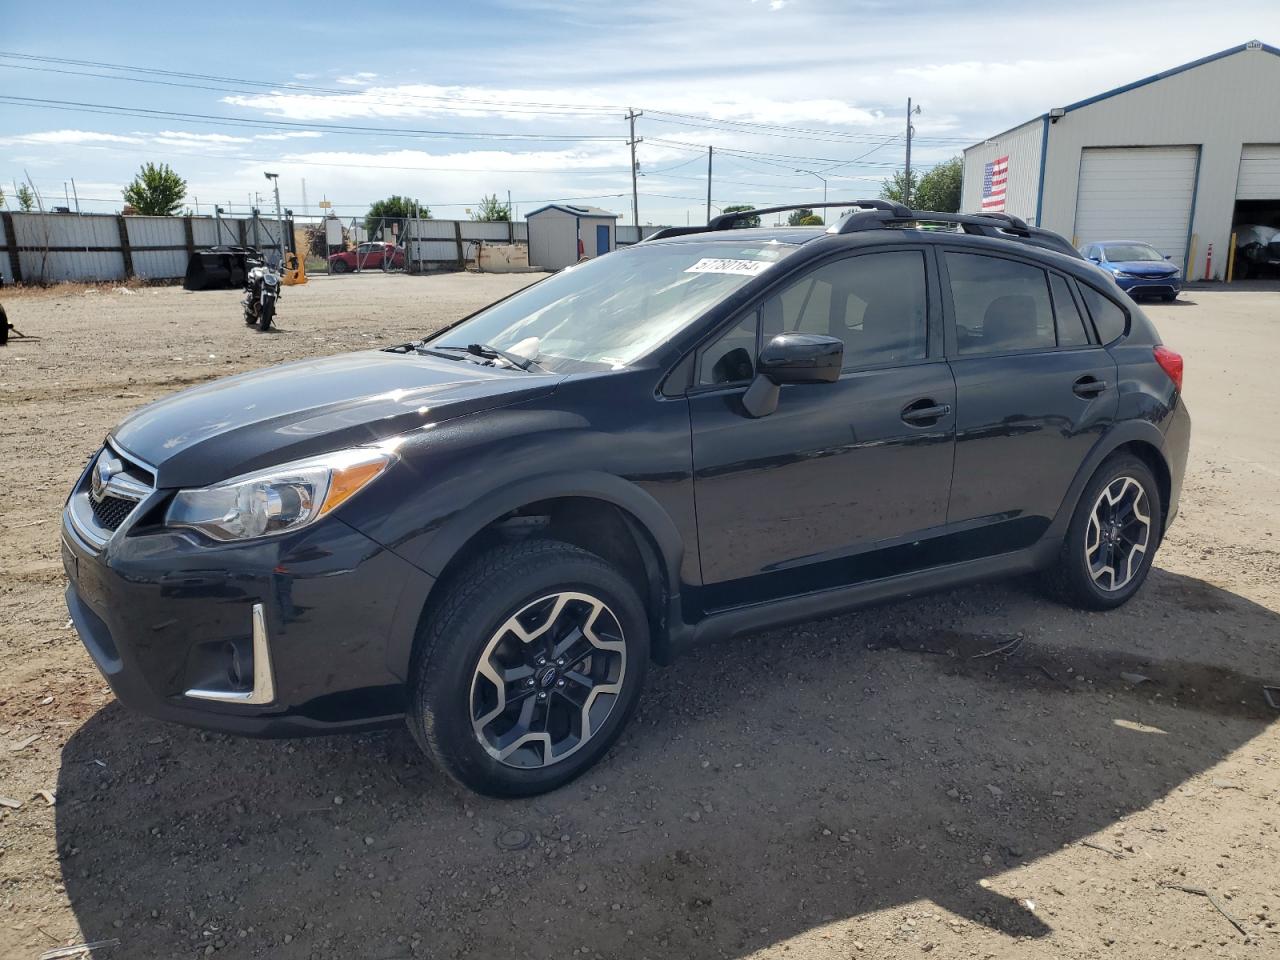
(574, 210)
(1164, 74)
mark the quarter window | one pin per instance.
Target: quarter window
(1108, 319)
(876, 303)
(1001, 306)
(1071, 328)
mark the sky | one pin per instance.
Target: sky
(351, 102)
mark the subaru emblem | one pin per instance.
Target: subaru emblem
(106, 468)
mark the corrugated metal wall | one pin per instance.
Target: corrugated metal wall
(1022, 146)
(56, 247)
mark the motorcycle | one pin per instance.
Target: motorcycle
(261, 291)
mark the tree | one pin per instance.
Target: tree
(939, 188)
(156, 191)
(804, 217)
(317, 238)
(2, 200)
(26, 199)
(491, 211)
(746, 221)
(895, 187)
(395, 209)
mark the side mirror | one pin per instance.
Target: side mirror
(792, 358)
(1168, 256)
(1094, 260)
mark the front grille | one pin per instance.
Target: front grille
(110, 512)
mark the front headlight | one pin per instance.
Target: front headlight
(1121, 275)
(278, 499)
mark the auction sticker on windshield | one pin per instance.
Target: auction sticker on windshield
(742, 268)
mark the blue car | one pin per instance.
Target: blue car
(1139, 269)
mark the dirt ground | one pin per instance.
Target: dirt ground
(861, 786)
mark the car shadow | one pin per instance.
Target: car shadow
(766, 787)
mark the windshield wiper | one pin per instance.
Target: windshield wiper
(486, 352)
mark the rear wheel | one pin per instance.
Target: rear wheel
(1112, 539)
(528, 667)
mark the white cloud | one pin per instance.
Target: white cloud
(70, 138)
(357, 79)
(289, 135)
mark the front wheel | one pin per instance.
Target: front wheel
(528, 667)
(1113, 537)
(266, 315)
(338, 266)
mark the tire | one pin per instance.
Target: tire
(544, 588)
(1125, 486)
(249, 319)
(266, 316)
(338, 266)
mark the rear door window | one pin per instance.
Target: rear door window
(1001, 306)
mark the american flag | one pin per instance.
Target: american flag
(994, 178)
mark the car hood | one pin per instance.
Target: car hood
(284, 413)
(1144, 268)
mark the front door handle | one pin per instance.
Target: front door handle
(1088, 386)
(924, 412)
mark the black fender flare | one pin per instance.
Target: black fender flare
(631, 499)
(638, 507)
(1127, 431)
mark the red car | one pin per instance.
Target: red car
(368, 256)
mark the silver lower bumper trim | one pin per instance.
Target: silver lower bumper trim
(264, 683)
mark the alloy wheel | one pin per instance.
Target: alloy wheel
(1118, 534)
(548, 679)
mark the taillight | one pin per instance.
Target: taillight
(1170, 363)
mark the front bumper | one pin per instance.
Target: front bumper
(1150, 286)
(159, 610)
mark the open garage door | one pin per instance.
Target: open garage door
(1259, 172)
(1137, 193)
(1257, 209)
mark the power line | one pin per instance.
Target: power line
(274, 87)
(806, 133)
(147, 113)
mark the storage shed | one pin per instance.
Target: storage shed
(1180, 160)
(556, 230)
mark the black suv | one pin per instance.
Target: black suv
(492, 531)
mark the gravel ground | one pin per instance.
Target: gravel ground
(858, 786)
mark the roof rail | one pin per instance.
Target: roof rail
(879, 219)
(726, 220)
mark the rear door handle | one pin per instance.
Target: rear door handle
(1088, 386)
(924, 412)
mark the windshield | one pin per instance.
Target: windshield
(1129, 252)
(614, 309)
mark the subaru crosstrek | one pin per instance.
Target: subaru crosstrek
(490, 532)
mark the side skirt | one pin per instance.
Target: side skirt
(755, 617)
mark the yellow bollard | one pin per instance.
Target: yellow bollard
(1189, 274)
(1231, 259)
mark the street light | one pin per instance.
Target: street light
(275, 183)
(824, 189)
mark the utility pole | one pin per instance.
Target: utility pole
(906, 180)
(710, 150)
(74, 194)
(632, 113)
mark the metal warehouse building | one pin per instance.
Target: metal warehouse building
(1177, 159)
